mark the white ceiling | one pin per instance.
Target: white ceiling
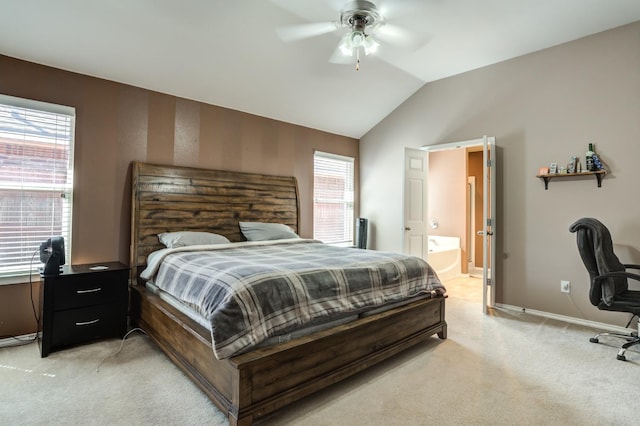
(227, 52)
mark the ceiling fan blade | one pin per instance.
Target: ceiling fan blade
(399, 37)
(299, 32)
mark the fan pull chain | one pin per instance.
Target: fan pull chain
(358, 59)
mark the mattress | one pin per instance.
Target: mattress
(271, 341)
(294, 334)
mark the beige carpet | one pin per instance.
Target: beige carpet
(500, 369)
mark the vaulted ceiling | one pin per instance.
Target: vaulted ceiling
(228, 53)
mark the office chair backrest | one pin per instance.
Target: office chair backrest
(596, 250)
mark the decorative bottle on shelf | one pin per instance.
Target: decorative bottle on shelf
(589, 165)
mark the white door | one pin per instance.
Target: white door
(415, 202)
(489, 223)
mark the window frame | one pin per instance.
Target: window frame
(348, 201)
(65, 189)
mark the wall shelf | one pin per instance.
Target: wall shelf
(599, 174)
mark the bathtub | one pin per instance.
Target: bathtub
(444, 256)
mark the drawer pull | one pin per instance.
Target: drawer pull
(88, 322)
(92, 290)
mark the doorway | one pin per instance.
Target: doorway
(459, 180)
(454, 209)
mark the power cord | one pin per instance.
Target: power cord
(121, 345)
(33, 307)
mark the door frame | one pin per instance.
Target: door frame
(489, 210)
(472, 268)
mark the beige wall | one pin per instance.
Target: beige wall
(543, 107)
(447, 199)
(117, 124)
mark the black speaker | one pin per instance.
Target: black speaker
(52, 255)
(362, 227)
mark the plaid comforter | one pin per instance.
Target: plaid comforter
(252, 291)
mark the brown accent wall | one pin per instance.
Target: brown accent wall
(117, 124)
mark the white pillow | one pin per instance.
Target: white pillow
(260, 231)
(190, 238)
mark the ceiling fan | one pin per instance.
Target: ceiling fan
(362, 26)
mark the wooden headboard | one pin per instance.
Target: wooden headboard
(174, 198)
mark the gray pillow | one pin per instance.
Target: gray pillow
(261, 231)
(190, 238)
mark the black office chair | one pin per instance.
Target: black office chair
(609, 288)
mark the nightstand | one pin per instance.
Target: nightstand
(83, 303)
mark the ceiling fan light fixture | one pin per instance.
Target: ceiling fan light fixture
(357, 38)
(363, 20)
(370, 45)
(362, 24)
(345, 45)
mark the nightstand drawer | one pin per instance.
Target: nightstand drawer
(79, 325)
(78, 291)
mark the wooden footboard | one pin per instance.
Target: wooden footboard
(252, 385)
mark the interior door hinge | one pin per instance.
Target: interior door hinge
(489, 163)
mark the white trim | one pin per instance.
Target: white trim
(453, 145)
(20, 271)
(579, 321)
(332, 156)
(37, 105)
(338, 166)
(19, 279)
(17, 340)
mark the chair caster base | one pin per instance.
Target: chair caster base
(631, 340)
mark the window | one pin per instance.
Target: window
(333, 194)
(36, 180)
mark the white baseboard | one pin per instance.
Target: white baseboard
(579, 321)
(13, 341)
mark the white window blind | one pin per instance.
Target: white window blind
(333, 194)
(36, 180)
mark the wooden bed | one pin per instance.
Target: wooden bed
(252, 385)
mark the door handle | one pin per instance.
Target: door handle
(489, 233)
(480, 232)
(406, 228)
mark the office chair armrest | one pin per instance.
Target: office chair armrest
(620, 274)
(630, 266)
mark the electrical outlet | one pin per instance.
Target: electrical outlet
(565, 286)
